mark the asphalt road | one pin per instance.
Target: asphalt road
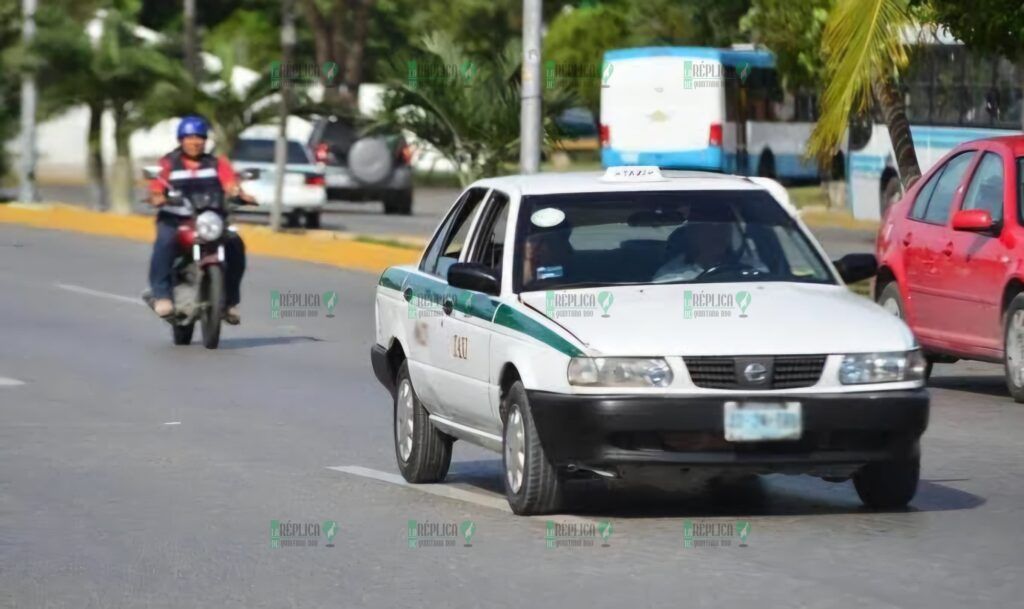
(138, 474)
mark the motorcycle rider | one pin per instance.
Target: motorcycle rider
(191, 170)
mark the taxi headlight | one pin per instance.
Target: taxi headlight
(619, 372)
(860, 368)
(209, 226)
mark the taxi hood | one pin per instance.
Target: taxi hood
(771, 318)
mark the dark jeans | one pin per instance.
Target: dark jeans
(165, 250)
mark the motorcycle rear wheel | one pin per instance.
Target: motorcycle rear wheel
(212, 297)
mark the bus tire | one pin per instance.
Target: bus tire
(889, 191)
(766, 165)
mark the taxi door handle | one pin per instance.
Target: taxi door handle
(448, 306)
(948, 250)
(906, 239)
(408, 294)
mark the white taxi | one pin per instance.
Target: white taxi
(644, 321)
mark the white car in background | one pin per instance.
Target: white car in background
(304, 191)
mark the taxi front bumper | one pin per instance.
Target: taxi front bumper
(840, 431)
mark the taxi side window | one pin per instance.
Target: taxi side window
(491, 244)
(986, 189)
(451, 237)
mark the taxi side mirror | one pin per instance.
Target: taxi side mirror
(856, 267)
(474, 276)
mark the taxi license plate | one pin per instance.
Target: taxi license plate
(760, 421)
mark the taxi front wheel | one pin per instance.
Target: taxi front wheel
(532, 483)
(423, 452)
(888, 485)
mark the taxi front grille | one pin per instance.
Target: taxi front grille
(784, 372)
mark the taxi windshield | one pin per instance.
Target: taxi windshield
(627, 238)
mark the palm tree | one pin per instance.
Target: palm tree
(465, 108)
(865, 50)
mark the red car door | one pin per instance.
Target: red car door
(980, 261)
(924, 238)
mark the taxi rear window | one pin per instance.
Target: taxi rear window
(625, 238)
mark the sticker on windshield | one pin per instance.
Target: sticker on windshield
(547, 217)
(549, 272)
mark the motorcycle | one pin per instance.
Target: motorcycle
(197, 274)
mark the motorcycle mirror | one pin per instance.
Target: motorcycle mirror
(151, 173)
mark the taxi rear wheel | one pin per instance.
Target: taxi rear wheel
(423, 452)
(888, 485)
(532, 483)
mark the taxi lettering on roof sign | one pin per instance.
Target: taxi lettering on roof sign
(594, 325)
(635, 173)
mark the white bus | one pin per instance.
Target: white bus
(704, 108)
(952, 96)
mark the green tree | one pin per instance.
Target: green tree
(471, 113)
(864, 52)
(581, 37)
(792, 31)
(995, 27)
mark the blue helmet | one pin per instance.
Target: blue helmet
(192, 125)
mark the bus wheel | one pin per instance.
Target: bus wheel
(890, 191)
(766, 165)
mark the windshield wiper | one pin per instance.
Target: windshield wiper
(594, 284)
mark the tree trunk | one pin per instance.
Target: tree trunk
(94, 145)
(122, 182)
(355, 51)
(328, 38)
(894, 112)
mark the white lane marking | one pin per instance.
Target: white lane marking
(9, 382)
(441, 490)
(81, 290)
(173, 423)
(488, 500)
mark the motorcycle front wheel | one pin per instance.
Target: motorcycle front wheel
(212, 298)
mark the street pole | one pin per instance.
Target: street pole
(530, 109)
(191, 46)
(27, 176)
(281, 148)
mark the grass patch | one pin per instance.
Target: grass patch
(389, 242)
(802, 196)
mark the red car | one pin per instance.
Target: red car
(950, 257)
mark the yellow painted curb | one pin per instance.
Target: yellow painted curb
(325, 247)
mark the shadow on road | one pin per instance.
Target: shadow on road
(265, 341)
(774, 495)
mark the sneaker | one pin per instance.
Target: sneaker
(163, 307)
(232, 316)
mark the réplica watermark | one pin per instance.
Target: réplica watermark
(288, 304)
(558, 72)
(457, 74)
(577, 534)
(703, 304)
(422, 306)
(715, 534)
(288, 534)
(578, 304)
(303, 72)
(431, 534)
(698, 74)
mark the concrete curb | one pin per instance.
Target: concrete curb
(342, 250)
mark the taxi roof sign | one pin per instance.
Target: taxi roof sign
(633, 173)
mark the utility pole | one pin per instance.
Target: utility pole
(27, 179)
(281, 148)
(530, 108)
(191, 44)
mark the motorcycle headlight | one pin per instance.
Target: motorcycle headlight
(209, 226)
(619, 372)
(861, 368)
